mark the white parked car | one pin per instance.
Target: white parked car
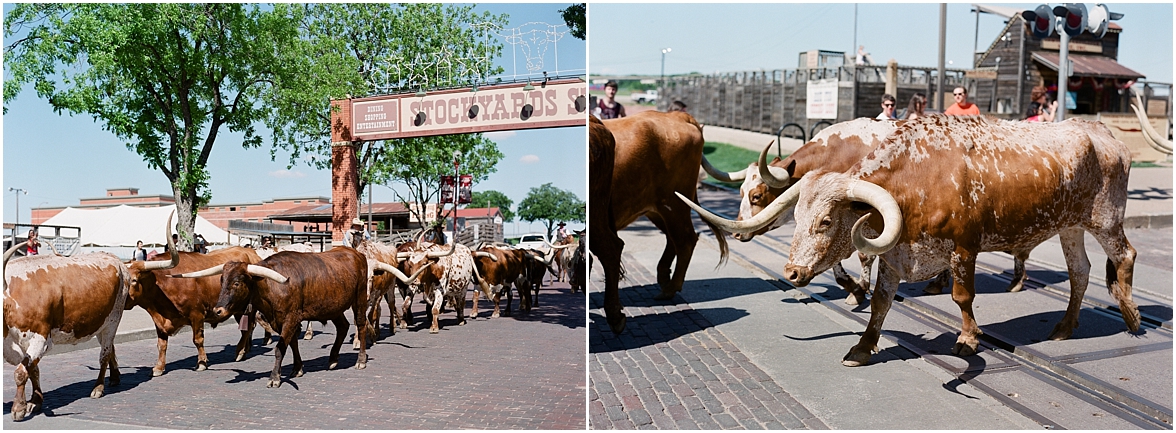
(533, 240)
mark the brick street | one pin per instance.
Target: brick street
(521, 372)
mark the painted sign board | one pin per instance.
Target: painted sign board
(461, 111)
(822, 99)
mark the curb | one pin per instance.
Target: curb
(1159, 221)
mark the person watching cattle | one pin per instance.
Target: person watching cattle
(961, 107)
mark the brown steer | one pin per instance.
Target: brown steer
(50, 299)
(176, 303)
(604, 242)
(289, 287)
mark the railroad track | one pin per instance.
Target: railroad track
(1058, 377)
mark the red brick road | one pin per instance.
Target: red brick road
(671, 369)
(522, 372)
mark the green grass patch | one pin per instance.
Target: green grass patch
(729, 158)
(1142, 164)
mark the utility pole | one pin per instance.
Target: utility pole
(18, 191)
(942, 47)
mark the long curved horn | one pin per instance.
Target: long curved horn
(492, 257)
(720, 175)
(51, 247)
(8, 254)
(557, 247)
(421, 237)
(762, 219)
(774, 177)
(434, 255)
(1153, 138)
(262, 271)
(400, 275)
(171, 246)
(403, 256)
(215, 270)
(880, 199)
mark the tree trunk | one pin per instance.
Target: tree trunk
(186, 217)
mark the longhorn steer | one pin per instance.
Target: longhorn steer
(604, 242)
(176, 303)
(289, 287)
(448, 279)
(496, 273)
(50, 299)
(657, 155)
(997, 186)
(836, 148)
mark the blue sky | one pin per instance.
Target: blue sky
(708, 38)
(59, 159)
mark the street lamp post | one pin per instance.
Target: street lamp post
(18, 191)
(663, 65)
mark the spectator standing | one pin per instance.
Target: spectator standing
(609, 108)
(1040, 113)
(916, 106)
(140, 254)
(888, 103)
(961, 107)
(31, 248)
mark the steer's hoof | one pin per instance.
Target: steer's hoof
(201, 367)
(333, 365)
(98, 392)
(360, 365)
(665, 296)
(856, 358)
(494, 316)
(964, 349)
(240, 356)
(434, 331)
(308, 336)
(156, 373)
(617, 325)
(274, 383)
(299, 373)
(855, 298)
(1016, 286)
(1061, 332)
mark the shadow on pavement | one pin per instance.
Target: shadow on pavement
(650, 329)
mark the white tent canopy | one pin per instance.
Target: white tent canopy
(123, 225)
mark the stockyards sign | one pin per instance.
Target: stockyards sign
(490, 108)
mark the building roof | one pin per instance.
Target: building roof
(480, 212)
(1089, 65)
(321, 211)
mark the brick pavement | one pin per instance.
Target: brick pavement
(671, 369)
(522, 372)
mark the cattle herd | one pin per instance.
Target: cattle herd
(858, 187)
(51, 299)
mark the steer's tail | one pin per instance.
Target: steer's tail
(721, 236)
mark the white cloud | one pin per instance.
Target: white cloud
(287, 174)
(529, 159)
(499, 135)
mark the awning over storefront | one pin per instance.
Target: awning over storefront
(1089, 66)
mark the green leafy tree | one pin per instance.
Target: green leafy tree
(362, 49)
(420, 162)
(165, 78)
(551, 205)
(492, 198)
(574, 17)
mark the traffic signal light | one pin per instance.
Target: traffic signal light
(1073, 18)
(1100, 16)
(1041, 21)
